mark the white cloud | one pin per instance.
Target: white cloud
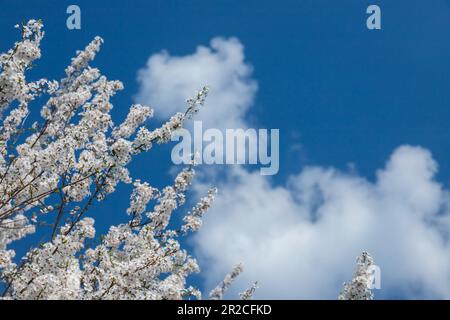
(300, 241)
(167, 81)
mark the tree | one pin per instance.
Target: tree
(75, 156)
(359, 287)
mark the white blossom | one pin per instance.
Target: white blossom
(248, 294)
(74, 157)
(137, 115)
(193, 220)
(218, 292)
(358, 287)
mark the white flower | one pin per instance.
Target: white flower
(248, 294)
(218, 292)
(358, 288)
(71, 159)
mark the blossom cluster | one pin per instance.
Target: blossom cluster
(359, 287)
(218, 292)
(54, 170)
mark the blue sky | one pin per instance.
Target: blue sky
(343, 96)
